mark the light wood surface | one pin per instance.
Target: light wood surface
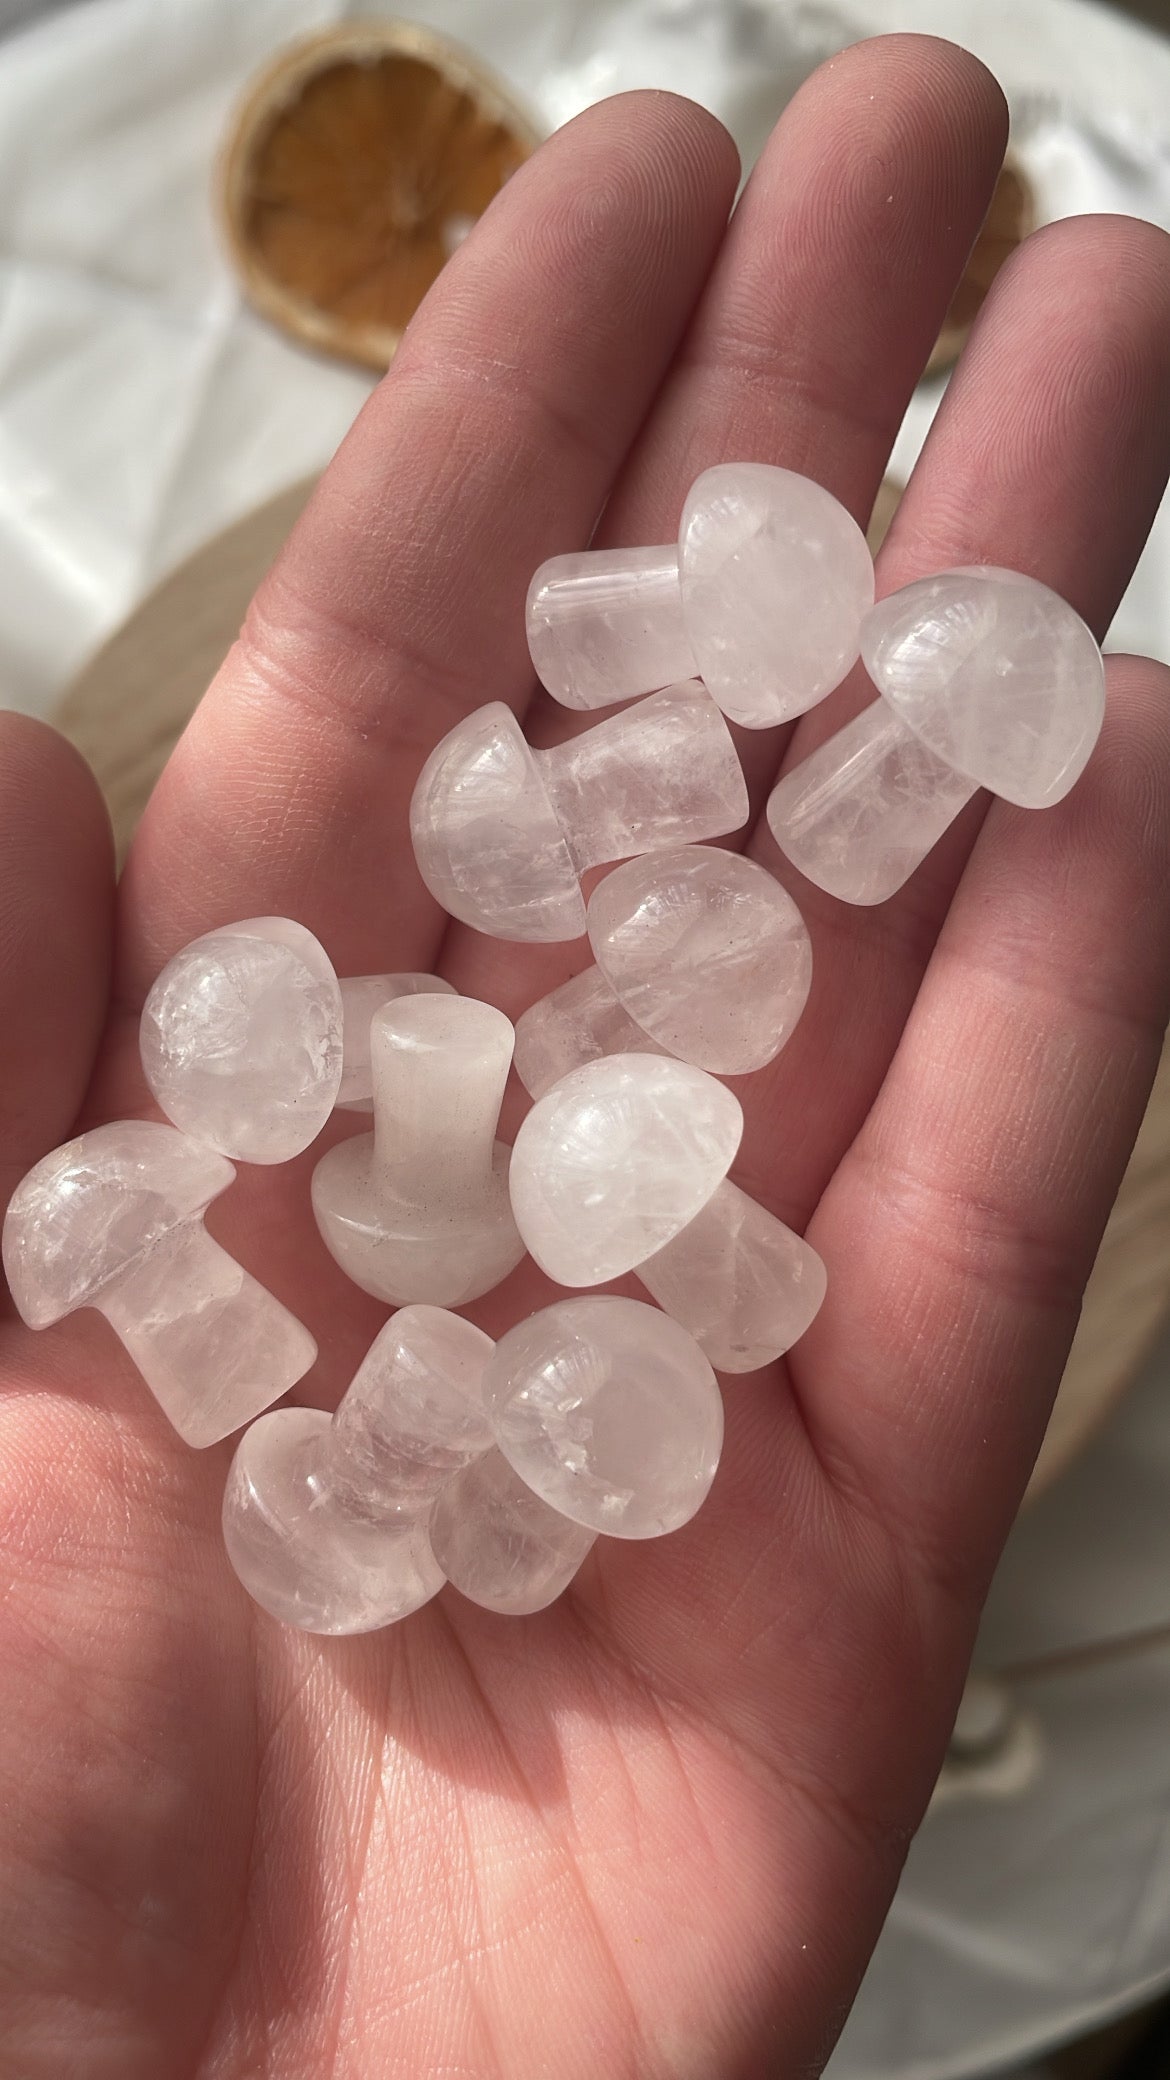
(131, 703)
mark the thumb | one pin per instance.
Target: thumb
(56, 924)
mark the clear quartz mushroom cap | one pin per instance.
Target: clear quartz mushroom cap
(996, 674)
(306, 1561)
(776, 577)
(616, 1159)
(487, 839)
(84, 1215)
(610, 1411)
(706, 952)
(241, 1039)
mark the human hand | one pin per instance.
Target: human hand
(652, 1831)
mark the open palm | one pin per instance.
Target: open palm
(652, 1831)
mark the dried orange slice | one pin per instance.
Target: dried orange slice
(1009, 219)
(356, 163)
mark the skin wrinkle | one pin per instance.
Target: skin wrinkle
(275, 1970)
(289, 679)
(743, 1749)
(576, 1879)
(1028, 350)
(976, 1242)
(465, 1953)
(233, 1963)
(356, 1850)
(439, 1979)
(479, 1949)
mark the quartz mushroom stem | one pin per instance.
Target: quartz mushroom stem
(500, 1544)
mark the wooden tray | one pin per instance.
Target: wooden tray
(131, 703)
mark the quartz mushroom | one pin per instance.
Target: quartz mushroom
(698, 953)
(502, 833)
(762, 598)
(114, 1220)
(610, 1412)
(419, 1209)
(622, 1166)
(987, 679)
(324, 1517)
(249, 1038)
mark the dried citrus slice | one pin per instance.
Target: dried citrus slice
(356, 163)
(1008, 221)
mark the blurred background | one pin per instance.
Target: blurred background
(199, 280)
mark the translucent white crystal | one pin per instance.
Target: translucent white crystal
(486, 836)
(241, 1039)
(248, 1038)
(323, 1516)
(610, 1411)
(578, 1022)
(608, 623)
(775, 577)
(306, 1557)
(998, 676)
(499, 1544)
(615, 1159)
(762, 598)
(114, 1220)
(706, 952)
(419, 1210)
(361, 996)
(745, 1285)
(700, 954)
(988, 679)
(501, 832)
(863, 810)
(620, 1166)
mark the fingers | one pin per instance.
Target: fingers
(811, 333)
(56, 905)
(399, 602)
(965, 1218)
(1049, 455)
(1076, 339)
(831, 285)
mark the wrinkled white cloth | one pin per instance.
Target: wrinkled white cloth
(143, 407)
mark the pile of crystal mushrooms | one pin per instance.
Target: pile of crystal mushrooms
(495, 1466)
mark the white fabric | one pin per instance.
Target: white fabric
(142, 407)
